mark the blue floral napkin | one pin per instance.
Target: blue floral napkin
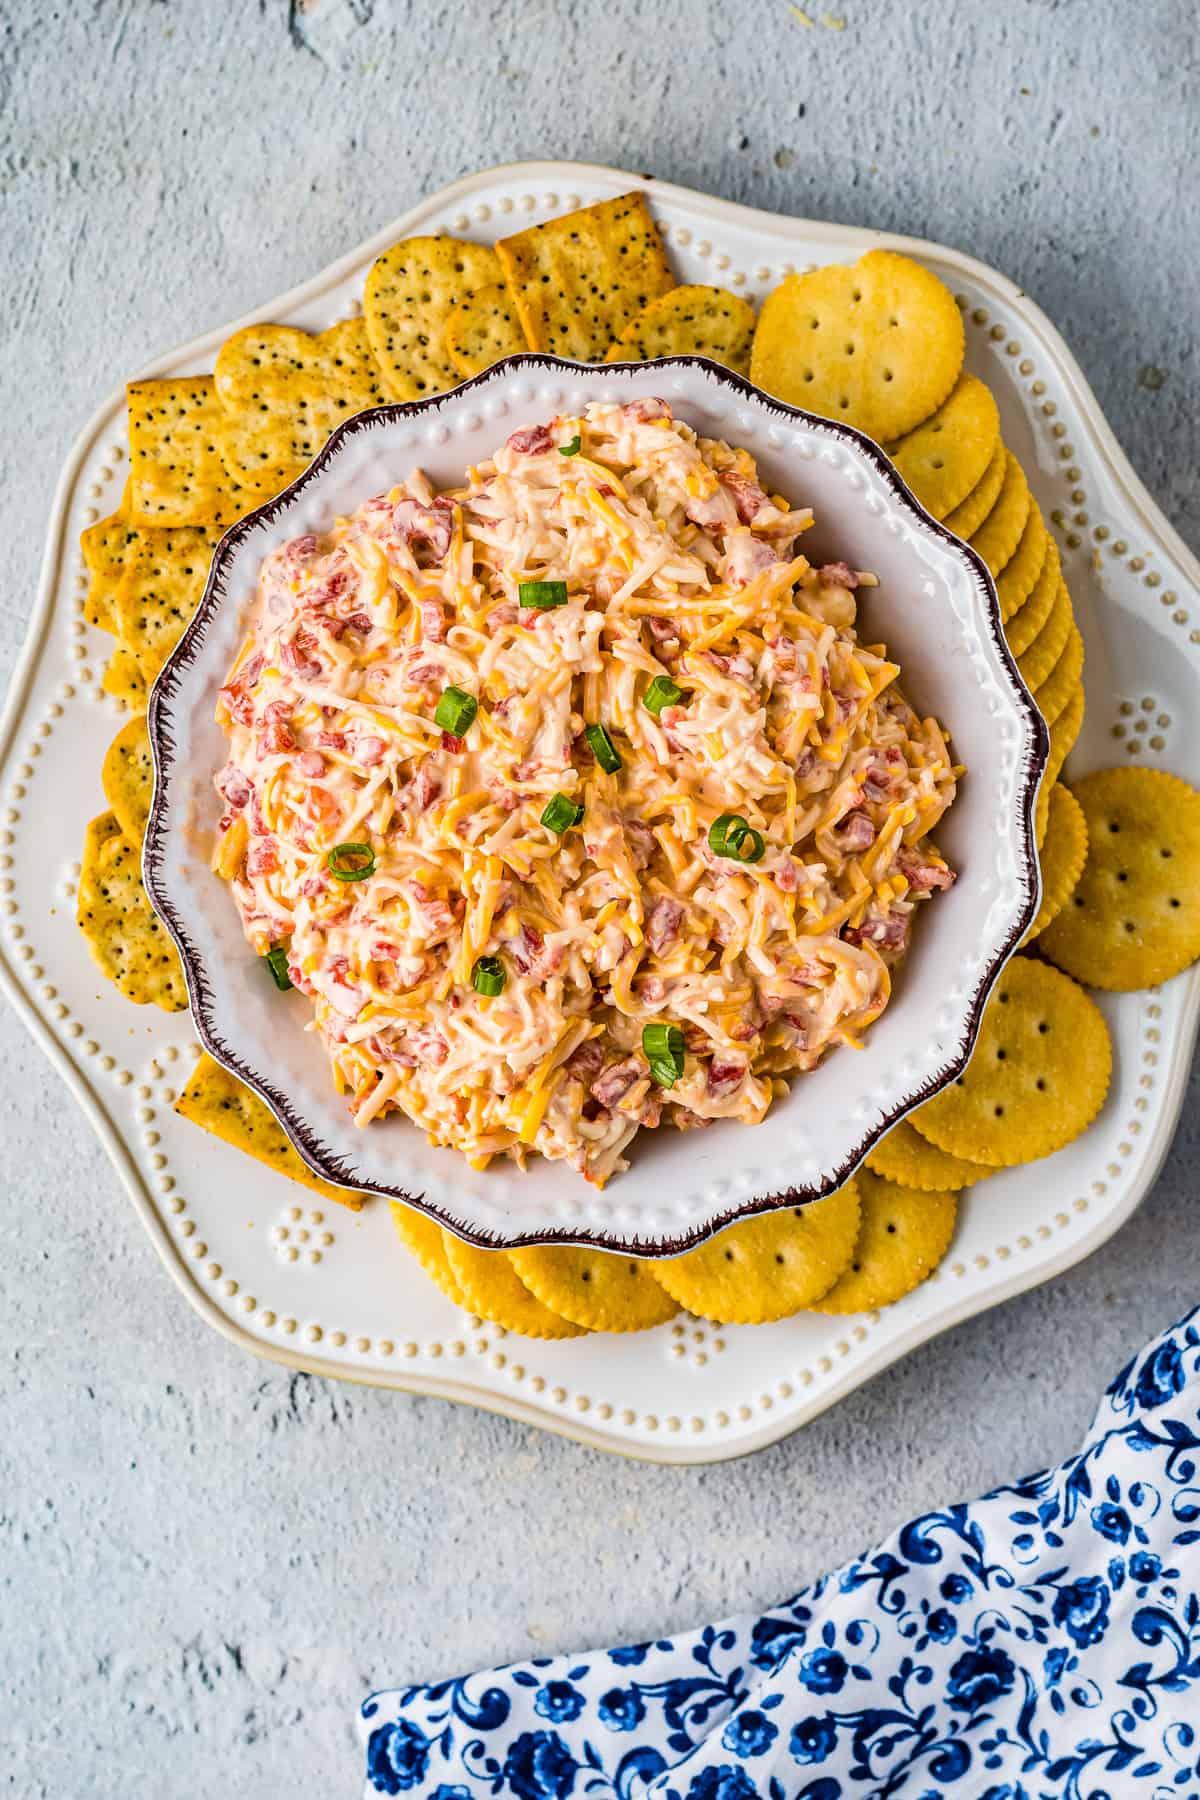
(1043, 1641)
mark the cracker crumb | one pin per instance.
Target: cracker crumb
(801, 18)
(832, 22)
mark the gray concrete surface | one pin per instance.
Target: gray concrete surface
(205, 1561)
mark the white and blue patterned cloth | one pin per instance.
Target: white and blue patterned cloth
(1044, 1641)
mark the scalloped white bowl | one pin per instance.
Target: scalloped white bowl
(936, 609)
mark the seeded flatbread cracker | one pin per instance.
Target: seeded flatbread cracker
(690, 321)
(424, 1238)
(218, 1102)
(1037, 1077)
(482, 329)
(767, 1267)
(492, 1289)
(283, 391)
(1036, 662)
(160, 590)
(1063, 734)
(1019, 575)
(983, 496)
(594, 1288)
(944, 458)
(997, 538)
(902, 1237)
(1063, 679)
(906, 1157)
(123, 679)
(115, 917)
(1134, 918)
(176, 476)
(1062, 856)
(1031, 615)
(410, 293)
(104, 547)
(127, 776)
(580, 279)
(878, 345)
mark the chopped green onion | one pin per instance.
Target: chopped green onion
(662, 1046)
(351, 862)
(456, 711)
(571, 449)
(602, 748)
(661, 692)
(276, 961)
(561, 813)
(542, 594)
(488, 977)
(731, 836)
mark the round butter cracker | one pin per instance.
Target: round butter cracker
(598, 1289)
(1064, 678)
(1061, 856)
(1017, 578)
(904, 1156)
(997, 538)
(983, 496)
(1036, 662)
(1031, 615)
(1037, 1076)
(424, 1239)
(1134, 917)
(944, 458)
(768, 1267)
(878, 344)
(902, 1237)
(492, 1289)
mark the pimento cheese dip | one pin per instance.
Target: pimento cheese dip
(571, 798)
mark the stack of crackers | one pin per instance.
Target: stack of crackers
(878, 345)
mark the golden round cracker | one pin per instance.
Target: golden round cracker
(1063, 679)
(878, 345)
(1064, 734)
(983, 496)
(1031, 615)
(597, 1288)
(408, 296)
(1037, 1076)
(492, 1289)
(1134, 918)
(997, 538)
(690, 321)
(1036, 663)
(768, 1267)
(482, 328)
(904, 1156)
(424, 1239)
(944, 458)
(1062, 856)
(902, 1237)
(127, 777)
(1019, 575)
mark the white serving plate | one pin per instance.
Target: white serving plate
(295, 1279)
(937, 611)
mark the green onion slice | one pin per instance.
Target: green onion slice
(542, 594)
(731, 836)
(661, 692)
(277, 961)
(351, 862)
(662, 1046)
(456, 711)
(571, 449)
(561, 813)
(602, 748)
(488, 977)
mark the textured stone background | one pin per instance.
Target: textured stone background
(206, 1561)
